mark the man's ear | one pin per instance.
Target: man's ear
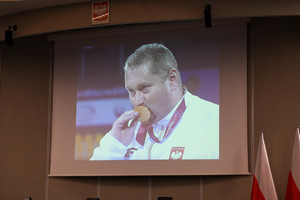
(173, 78)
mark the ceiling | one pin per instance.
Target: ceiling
(242, 8)
(14, 6)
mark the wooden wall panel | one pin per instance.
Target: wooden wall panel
(227, 187)
(24, 92)
(133, 188)
(178, 187)
(276, 61)
(73, 188)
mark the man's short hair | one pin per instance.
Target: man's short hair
(160, 58)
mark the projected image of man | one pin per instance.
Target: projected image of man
(181, 125)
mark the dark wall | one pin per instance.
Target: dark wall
(25, 96)
(276, 64)
(24, 99)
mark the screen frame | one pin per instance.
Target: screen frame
(127, 165)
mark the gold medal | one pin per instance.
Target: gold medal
(144, 113)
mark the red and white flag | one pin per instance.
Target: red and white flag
(293, 185)
(263, 187)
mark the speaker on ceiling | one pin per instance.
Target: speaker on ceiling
(207, 15)
(9, 35)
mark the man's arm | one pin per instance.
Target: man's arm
(113, 146)
(110, 149)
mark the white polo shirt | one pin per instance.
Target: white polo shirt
(195, 136)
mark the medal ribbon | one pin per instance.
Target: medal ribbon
(142, 132)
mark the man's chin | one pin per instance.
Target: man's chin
(152, 118)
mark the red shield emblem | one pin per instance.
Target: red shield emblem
(176, 153)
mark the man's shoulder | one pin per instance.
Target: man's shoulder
(196, 102)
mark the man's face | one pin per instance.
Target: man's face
(148, 89)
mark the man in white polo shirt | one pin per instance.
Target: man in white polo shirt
(181, 125)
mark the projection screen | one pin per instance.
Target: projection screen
(89, 95)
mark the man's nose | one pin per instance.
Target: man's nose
(138, 99)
